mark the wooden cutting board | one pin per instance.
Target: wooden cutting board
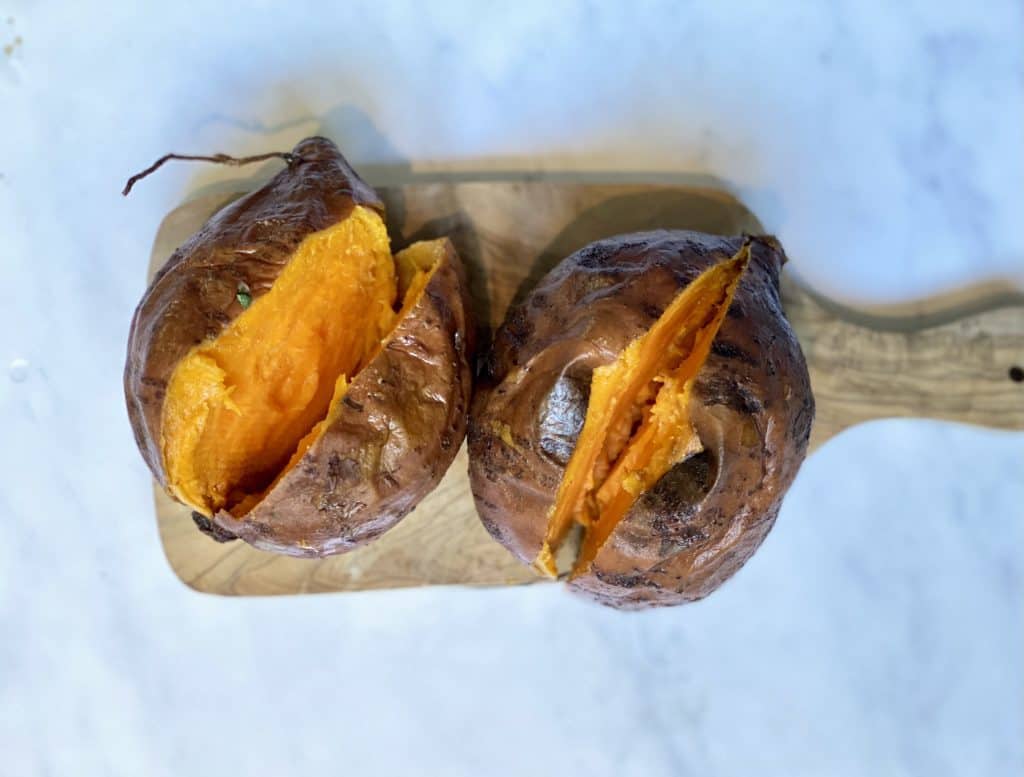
(958, 359)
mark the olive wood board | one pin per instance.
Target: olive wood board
(956, 358)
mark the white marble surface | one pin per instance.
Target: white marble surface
(878, 631)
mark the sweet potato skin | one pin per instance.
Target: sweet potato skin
(404, 414)
(752, 407)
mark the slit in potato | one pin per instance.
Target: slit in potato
(637, 424)
(243, 408)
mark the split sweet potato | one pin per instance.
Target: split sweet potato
(650, 396)
(290, 379)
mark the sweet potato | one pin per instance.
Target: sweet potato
(650, 392)
(288, 378)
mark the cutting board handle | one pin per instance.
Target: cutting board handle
(955, 358)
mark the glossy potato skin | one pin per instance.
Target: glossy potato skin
(418, 386)
(752, 407)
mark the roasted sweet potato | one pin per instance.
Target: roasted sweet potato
(650, 391)
(291, 380)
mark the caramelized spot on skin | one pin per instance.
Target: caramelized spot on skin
(637, 425)
(242, 409)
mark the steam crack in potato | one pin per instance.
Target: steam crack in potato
(637, 425)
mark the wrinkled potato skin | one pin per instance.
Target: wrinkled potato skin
(419, 384)
(752, 407)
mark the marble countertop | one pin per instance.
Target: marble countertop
(880, 630)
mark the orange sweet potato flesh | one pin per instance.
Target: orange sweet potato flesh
(238, 406)
(637, 425)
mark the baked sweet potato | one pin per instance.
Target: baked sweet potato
(650, 392)
(291, 380)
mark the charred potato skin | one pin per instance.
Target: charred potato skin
(752, 407)
(404, 415)
(400, 425)
(193, 297)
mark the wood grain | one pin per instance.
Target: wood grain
(950, 361)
